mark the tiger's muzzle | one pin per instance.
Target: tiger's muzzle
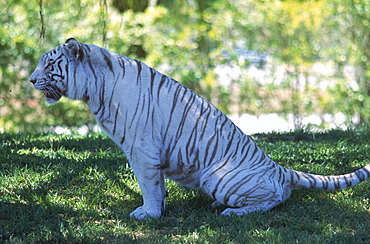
(51, 92)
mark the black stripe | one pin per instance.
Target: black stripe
(136, 110)
(252, 155)
(213, 153)
(174, 104)
(65, 83)
(310, 179)
(230, 142)
(237, 186)
(220, 178)
(152, 78)
(337, 182)
(107, 60)
(121, 62)
(281, 175)
(325, 183)
(161, 83)
(246, 148)
(360, 175)
(348, 181)
(115, 119)
(184, 117)
(292, 174)
(139, 69)
(102, 100)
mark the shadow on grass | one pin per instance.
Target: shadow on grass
(53, 198)
(307, 213)
(46, 223)
(91, 212)
(336, 216)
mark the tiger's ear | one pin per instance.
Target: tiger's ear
(73, 49)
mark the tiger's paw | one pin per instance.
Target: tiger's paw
(216, 204)
(141, 214)
(233, 211)
(242, 210)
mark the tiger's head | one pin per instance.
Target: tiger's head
(53, 72)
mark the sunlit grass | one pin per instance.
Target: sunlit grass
(80, 189)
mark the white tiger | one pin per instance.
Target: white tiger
(166, 129)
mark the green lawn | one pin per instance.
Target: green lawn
(80, 189)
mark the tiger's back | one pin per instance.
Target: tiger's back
(166, 129)
(186, 131)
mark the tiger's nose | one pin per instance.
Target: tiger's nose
(33, 81)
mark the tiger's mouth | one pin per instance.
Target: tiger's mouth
(52, 93)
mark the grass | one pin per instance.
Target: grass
(80, 189)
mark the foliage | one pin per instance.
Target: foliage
(80, 189)
(191, 41)
(353, 18)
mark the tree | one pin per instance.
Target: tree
(190, 41)
(350, 31)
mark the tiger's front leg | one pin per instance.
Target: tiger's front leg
(152, 185)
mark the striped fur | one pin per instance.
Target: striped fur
(167, 130)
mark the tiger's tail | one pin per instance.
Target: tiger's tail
(331, 182)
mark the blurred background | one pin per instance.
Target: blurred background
(301, 63)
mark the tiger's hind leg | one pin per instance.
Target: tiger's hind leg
(243, 190)
(251, 200)
(249, 208)
(216, 204)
